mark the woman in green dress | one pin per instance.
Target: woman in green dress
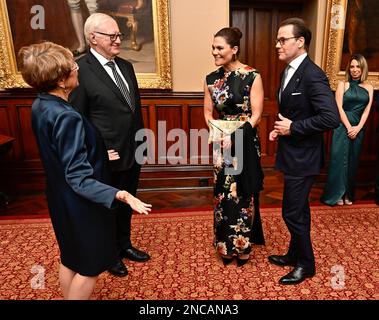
(354, 98)
(235, 91)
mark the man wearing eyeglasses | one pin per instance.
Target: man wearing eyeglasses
(108, 96)
(307, 108)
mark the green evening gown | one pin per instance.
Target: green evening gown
(344, 154)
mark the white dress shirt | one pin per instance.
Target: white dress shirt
(103, 61)
(292, 67)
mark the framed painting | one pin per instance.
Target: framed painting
(350, 28)
(145, 24)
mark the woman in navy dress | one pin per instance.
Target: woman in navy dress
(76, 167)
(235, 90)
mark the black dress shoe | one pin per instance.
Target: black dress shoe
(241, 262)
(226, 261)
(119, 269)
(297, 275)
(134, 255)
(281, 260)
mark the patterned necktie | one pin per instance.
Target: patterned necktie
(121, 84)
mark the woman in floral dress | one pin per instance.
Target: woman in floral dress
(235, 90)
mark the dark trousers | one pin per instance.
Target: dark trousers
(297, 216)
(125, 180)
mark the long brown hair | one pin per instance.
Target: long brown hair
(362, 63)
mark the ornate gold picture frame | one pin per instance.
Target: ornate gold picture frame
(348, 31)
(147, 45)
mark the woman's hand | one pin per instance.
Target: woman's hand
(273, 136)
(353, 132)
(113, 155)
(226, 141)
(135, 203)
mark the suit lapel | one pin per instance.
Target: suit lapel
(294, 82)
(103, 76)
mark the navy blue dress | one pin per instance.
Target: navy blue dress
(76, 167)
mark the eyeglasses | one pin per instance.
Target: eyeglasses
(75, 67)
(112, 36)
(283, 41)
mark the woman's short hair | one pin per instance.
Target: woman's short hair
(232, 37)
(362, 63)
(42, 65)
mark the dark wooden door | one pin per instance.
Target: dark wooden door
(258, 21)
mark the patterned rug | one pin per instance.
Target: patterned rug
(185, 266)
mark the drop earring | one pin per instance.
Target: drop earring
(64, 90)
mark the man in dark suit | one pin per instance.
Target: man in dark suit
(307, 108)
(108, 96)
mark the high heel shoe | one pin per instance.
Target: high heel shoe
(241, 262)
(348, 201)
(226, 261)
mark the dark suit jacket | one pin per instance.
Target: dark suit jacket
(99, 99)
(309, 102)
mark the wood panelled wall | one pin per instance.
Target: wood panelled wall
(258, 21)
(21, 171)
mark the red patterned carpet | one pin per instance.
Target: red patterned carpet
(184, 264)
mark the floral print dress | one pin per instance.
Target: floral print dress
(237, 221)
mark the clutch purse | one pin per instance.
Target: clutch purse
(220, 128)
